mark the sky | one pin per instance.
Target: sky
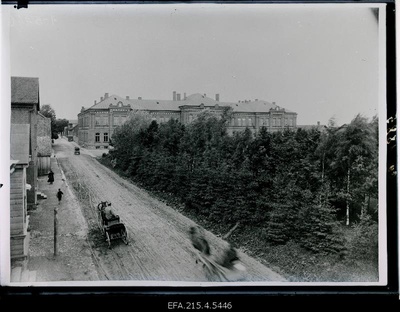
(321, 61)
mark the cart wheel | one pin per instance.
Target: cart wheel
(125, 237)
(108, 240)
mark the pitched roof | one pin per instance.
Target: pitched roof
(192, 100)
(112, 100)
(253, 106)
(25, 90)
(19, 143)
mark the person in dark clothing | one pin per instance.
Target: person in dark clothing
(51, 177)
(59, 195)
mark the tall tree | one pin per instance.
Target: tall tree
(354, 149)
(47, 111)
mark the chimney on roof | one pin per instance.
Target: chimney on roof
(139, 98)
(217, 97)
(127, 97)
(174, 95)
(101, 99)
(205, 95)
(178, 97)
(318, 123)
(105, 95)
(95, 102)
(274, 103)
(184, 96)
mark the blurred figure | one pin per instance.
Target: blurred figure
(223, 265)
(198, 240)
(227, 257)
(51, 177)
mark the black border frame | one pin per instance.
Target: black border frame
(245, 297)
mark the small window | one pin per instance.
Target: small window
(106, 137)
(97, 137)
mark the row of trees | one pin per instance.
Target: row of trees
(292, 185)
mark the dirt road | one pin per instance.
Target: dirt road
(159, 248)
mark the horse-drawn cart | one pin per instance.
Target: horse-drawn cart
(112, 228)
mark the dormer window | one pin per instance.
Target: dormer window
(119, 104)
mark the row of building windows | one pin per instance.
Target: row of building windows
(263, 122)
(102, 121)
(275, 122)
(161, 119)
(84, 137)
(241, 122)
(245, 122)
(97, 137)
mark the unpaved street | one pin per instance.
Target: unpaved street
(159, 248)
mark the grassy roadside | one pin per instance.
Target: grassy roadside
(290, 260)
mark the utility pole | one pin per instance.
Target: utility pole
(55, 230)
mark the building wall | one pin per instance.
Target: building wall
(94, 124)
(27, 114)
(45, 148)
(164, 116)
(19, 236)
(95, 128)
(44, 126)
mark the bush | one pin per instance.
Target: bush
(363, 240)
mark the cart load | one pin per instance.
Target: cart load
(111, 225)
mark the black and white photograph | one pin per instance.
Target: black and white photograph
(194, 144)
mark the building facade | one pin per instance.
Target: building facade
(25, 106)
(45, 148)
(19, 220)
(97, 123)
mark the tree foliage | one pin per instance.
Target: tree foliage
(294, 185)
(57, 125)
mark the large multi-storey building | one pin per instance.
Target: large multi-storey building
(96, 124)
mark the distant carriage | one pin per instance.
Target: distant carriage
(112, 228)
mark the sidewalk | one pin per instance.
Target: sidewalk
(73, 261)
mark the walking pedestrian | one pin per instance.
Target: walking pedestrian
(59, 195)
(51, 177)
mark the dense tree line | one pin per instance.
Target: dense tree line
(300, 185)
